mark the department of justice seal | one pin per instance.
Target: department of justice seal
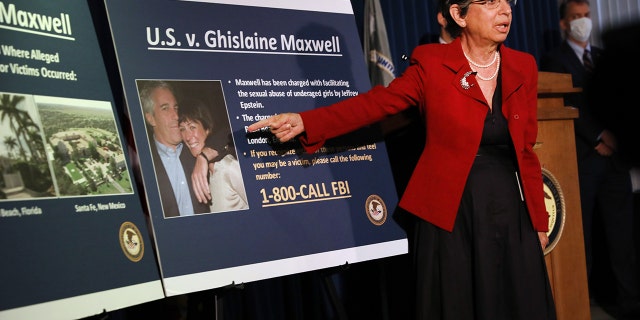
(376, 210)
(131, 241)
(554, 202)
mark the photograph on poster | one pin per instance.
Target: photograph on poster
(183, 118)
(84, 147)
(23, 162)
(59, 147)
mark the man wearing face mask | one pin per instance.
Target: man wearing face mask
(605, 185)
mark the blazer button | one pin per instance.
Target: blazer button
(515, 116)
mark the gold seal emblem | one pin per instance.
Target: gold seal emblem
(131, 241)
(376, 210)
(554, 202)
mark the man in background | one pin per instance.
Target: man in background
(605, 184)
(443, 37)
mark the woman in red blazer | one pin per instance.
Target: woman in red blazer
(477, 186)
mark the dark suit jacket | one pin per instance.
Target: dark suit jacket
(612, 94)
(167, 197)
(454, 119)
(587, 127)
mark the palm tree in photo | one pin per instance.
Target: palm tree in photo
(11, 143)
(29, 133)
(26, 128)
(9, 111)
(37, 145)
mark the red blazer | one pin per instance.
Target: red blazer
(454, 119)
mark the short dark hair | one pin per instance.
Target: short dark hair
(562, 9)
(195, 110)
(452, 27)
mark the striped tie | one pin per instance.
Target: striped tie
(586, 60)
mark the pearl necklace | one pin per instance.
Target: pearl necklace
(484, 66)
(495, 73)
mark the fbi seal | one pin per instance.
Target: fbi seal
(376, 210)
(131, 241)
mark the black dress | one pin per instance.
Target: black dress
(491, 267)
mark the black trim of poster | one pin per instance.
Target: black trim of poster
(241, 62)
(75, 241)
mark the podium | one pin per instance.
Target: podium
(555, 147)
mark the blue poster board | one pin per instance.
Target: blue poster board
(74, 236)
(246, 61)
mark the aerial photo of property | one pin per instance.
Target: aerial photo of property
(59, 147)
(84, 147)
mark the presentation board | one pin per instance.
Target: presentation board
(75, 241)
(241, 61)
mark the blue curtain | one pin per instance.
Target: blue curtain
(535, 26)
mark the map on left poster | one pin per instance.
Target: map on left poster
(72, 224)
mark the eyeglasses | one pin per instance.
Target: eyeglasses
(492, 4)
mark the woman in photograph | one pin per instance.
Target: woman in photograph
(225, 178)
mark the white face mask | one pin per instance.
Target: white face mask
(580, 29)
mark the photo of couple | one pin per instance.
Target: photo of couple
(192, 148)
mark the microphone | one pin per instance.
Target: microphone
(404, 57)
